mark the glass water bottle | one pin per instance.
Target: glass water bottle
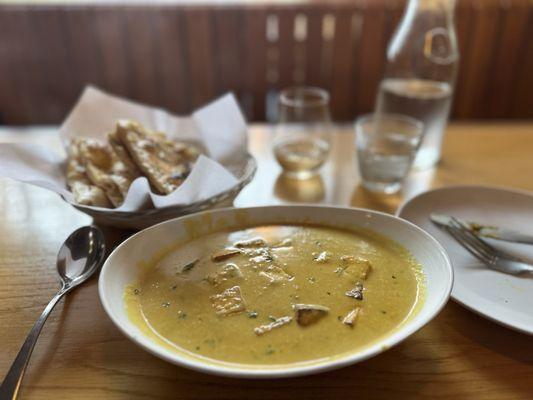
(422, 61)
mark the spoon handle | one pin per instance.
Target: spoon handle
(11, 384)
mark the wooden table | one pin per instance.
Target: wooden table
(81, 355)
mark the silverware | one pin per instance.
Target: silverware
(78, 259)
(487, 254)
(492, 232)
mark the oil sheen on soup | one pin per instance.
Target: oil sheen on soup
(277, 294)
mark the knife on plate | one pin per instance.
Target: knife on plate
(488, 231)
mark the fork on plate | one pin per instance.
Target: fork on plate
(489, 255)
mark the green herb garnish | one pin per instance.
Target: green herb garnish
(189, 266)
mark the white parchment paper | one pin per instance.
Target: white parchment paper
(219, 126)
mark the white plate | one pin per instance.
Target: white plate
(503, 298)
(121, 268)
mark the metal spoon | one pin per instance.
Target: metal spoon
(78, 259)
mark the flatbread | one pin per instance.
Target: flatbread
(105, 170)
(165, 163)
(83, 190)
(101, 173)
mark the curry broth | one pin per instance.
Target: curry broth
(178, 302)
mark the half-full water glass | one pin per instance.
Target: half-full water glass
(302, 135)
(386, 147)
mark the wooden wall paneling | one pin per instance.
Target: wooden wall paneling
(394, 12)
(522, 95)
(172, 59)
(342, 80)
(510, 46)
(313, 70)
(181, 56)
(84, 57)
(300, 36)
(199, 23)
(16, 60)
(111, 42)
(463, 25)
(478, 72)
(372, 55)
(229, 41)
(142, 56)
(255, 60)
(285, 44)
(52, 90)
(357, 37)
(329, 26)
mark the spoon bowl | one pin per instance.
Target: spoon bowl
(81, 255)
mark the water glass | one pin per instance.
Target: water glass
(302, 135)
(386, 147)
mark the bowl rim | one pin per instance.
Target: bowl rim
(240, 371)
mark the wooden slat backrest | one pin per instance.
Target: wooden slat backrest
(181, 56)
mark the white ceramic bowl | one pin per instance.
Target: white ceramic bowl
(120, 269)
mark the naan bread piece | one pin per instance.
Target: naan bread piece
(165, 163)
(106, 170)
(83, 190)
(122, 153)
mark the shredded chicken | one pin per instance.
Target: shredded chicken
(275, 274)
(229, 301)
(224, 254)
(254, 242)
(229, 271)
(307, 314)
(322, 257)
(261, 330)
(350, 318)
(356, 292)
(358, 268)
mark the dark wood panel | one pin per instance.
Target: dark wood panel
(512, 41)
(314, 48)
(463, 23)
(255, 60)
(142, 55)
(372, 56)
(343, 90)
(522, 102)
(173, 65)
(110, 35)
(182, 56)
(83, 49)
(199, 23)
(481, 52)
(16, 62)
(229, 40)
(285, 46)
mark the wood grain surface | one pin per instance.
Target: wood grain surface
(178, 55)
(81, 355)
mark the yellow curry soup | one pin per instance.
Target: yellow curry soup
(277, 294)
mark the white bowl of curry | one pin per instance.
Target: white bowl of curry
(275, 291)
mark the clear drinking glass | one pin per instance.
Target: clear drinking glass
(386, 147)
(302, 136)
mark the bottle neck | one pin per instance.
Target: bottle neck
(441, 9)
